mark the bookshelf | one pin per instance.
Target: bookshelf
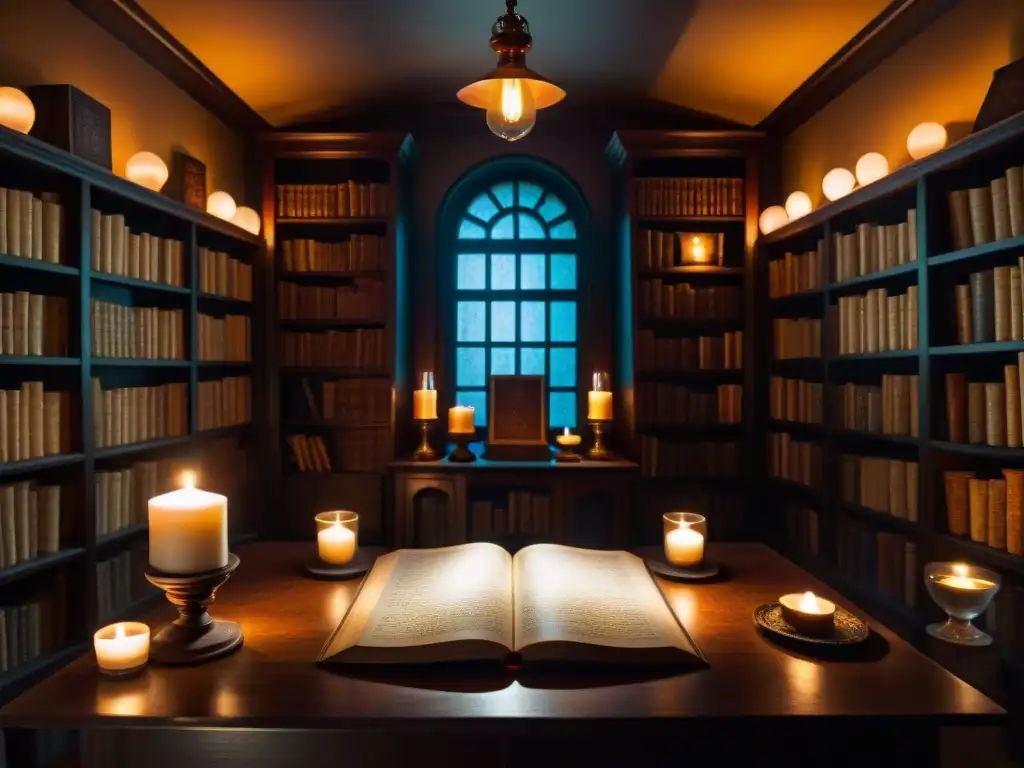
(336, 213)
(684, 224)
(82, 559)
(875, 550)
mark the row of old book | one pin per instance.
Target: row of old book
(689, 197)
(890, 409)
(348, 401)
(874, 248)
(120, 582)
(30, 226)
(28, 630)
(122, 495)
(796, 337)
(225, 339)
(989, 306)
(137, 333)
(129, 415)
(986, 412)
(984, 214)
(666, 404)
(667, 458)
(224, 402)
(664, 250)
(360, 350)
(29, 522)
(707, 353)
(879, 483)
(116, 250)
(798, 461)
(658, 299)
(877, 322)
(525, 513)
(357, 253)
(34, 422)
(362, 300)
(795, 400)
(221, 274)
(795, 273)
(878, 560)
(988, 509)
(345, 199)
(33, 325)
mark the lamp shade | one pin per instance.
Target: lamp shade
(798, 204)
(247, 219)
(871, 167)
(221, 205)
(925, 139)
(772, 218)
(16, 110)
(837, 183)
(146, 170)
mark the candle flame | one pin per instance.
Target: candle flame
(188, 480)
(697, 249)
(809, 603)
(565, 430)
(959, 569)
(119, 632)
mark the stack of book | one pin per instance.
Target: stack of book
(224, 339)
(877, 322)
(985, 508)
(33, 324)
(138, 333)
(120, 582)
(136, 414)
(358, 253)
(29, 522)
(34, 423)
(795, 400)
(797, 461)
(309, 453)
(705, 353)
(117, 251)
(525, 513)
(360, 350)
(223, 275)
(224, 403)
(681, 301)
(689, 197)
(803, 529)
(663, 403)
(796, 337)
(890, 409)
(989, 306)
(664, 250)
(985, 214)
(877, 560)
(360, 301)
(347, 401)
(28, 630)
(880, 484)
(329, 201)
(873, 248)
(665, 458)
(985, 413)
(122, 495)
(795, 273)
(30, 226)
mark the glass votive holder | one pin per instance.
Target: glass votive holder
(685, 533)
(122, 649)
(964, 592)
(337, 536)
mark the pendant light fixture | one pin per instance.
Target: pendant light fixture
(511, 92)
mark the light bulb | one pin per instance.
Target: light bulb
(16, 110)
(798, 204)
(925, 139)
(247, 219)
(512, 113)
(837, 183)
(147, 170)
(222, 205)
(871, 167)
(772, 218)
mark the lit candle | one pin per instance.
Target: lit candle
(567, 439)
(424, 399)
(336, 544)
(188, 530)
(599, 406)
(684, 546)
(960, 580)
(121, 647)
(697, 251)
(808, 613)
(460, 420)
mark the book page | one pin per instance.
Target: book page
(564, 594)
(444, 595)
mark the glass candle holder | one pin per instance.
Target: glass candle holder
(964, 592)
(424, 399)
(685, 534)
(337, 536)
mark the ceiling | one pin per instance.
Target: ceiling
(294, 61)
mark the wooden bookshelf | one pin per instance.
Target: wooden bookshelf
(66, 580)
(668, 184)
(923, 185)
(324, 262)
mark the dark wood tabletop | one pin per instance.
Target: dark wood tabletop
(272, 681)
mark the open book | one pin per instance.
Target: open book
(476, 602)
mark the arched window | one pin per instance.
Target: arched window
(516, 280)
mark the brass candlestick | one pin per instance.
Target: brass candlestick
(598, 452)
(424, 452)
(461, 452)
(194, 637)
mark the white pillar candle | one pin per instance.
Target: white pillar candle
(122, 646)
(188, 530)
(684, 546)
(424, 404)
(460, 420)
(336, 544)
(599, 406)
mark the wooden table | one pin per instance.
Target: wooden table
(755, 699)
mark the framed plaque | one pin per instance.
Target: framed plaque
(517, 423)
(187, 183)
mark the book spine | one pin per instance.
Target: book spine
(1011, 385)
(996, 515)
(978, 491)
(995, 414)
(1015, 199)
(982, 224)
(982, 300)
(1014, 500)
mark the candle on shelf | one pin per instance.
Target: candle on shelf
(424, 399)
(684, 547)
(121, 648)
(808, 613)
(567, 439)
(963, 592)
(188, 530)
(460, 420)
(599, 398)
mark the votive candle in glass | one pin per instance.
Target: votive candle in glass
(337, 536)
(424, 399)
(685, 534)
(599, 398)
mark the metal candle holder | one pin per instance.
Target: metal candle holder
(461, 452)
(598, 452)
(424, 452)
(194, 637)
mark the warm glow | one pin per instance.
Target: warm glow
(798, 204)
(512, 99)
(959, 569)
(808, 603)
(684, 546)
(119, 632)
(697, 250)
(247, 219)
(837, 183)
(221, 205)
(514, 112)
(188, 480)
(147, 170)
(772, 218)
(926, 139)
(565, 430)
(16, 110)
(871, 167)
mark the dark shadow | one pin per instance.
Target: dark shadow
(874, 648)
(958, 130)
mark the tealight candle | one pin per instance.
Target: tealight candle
(188, 530)
(337, 536)
(460, 420)
(567, 439)
(684, 547)
(122, 648)
(808, 613)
